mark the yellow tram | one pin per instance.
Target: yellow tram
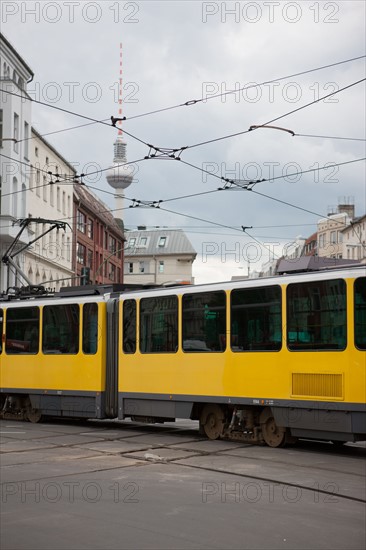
(261, 360)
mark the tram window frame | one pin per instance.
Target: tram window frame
(151, 317)
(311, 335)
(200, 309)
(27, 340)
(129, 325)
(359, 314)
(64, 338)
(258, 327)
(90, 328)
(1, 329)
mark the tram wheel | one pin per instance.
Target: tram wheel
(33, 415)
(213, 421)
(273, 435)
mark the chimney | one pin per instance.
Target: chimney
(347, 209)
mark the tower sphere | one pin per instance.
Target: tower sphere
(120, 175)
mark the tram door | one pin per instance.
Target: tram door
(111, 390)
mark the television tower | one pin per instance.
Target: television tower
(120, 175)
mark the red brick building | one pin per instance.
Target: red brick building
(98, 239)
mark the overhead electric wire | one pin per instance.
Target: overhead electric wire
(329, 137)
(275, 119)
(195, 101)
(72, 113)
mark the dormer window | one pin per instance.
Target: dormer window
(131, 243)
(162, 242)
(143, 241)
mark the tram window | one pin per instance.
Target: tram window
(256, 323)
(159, 324)
(360, 313)
(90, 328)
(316, 315)
(204, 322)
(129, 326)
(61, 329)
(22, 330)
(1, 330)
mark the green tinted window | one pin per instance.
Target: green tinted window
(204, 322)
(129, 326)
(316, 315)
(256, 319)
(22, 330)
(90, 328)
(1, 330)
(61, 329)
(159, 324)
(360, 313)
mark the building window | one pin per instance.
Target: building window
(112, 272)
(68, 251)
(112, 245)
(130, 267)
(131, 242)
(16, 132)
(38, 186)
(26, 138)
(142, 267)
(321, 240)
(340, 237)
(162, 242)
(90, 229)
(52, 195)
(161, 267)
(80, 253)
(45, 188)
(143, 241)
(36, 151)
(90, 259)
(1, 128)
(80, 221)
(64, 202)
(15, 197)
(333, 237)
(58, 199)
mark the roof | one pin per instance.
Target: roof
(313, 263)
(47, 143)
(354, 222)
(93, 203)
(171, 241)
(14, 51)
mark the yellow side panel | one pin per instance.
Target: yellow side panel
(58, 372)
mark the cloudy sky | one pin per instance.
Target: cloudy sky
(174, 52)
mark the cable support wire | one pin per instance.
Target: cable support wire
(237, 90)
(185, 104)
(256, 127)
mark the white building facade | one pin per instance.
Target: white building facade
(158, 256)
(354, 240)
(15, 127)
(49, 260)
